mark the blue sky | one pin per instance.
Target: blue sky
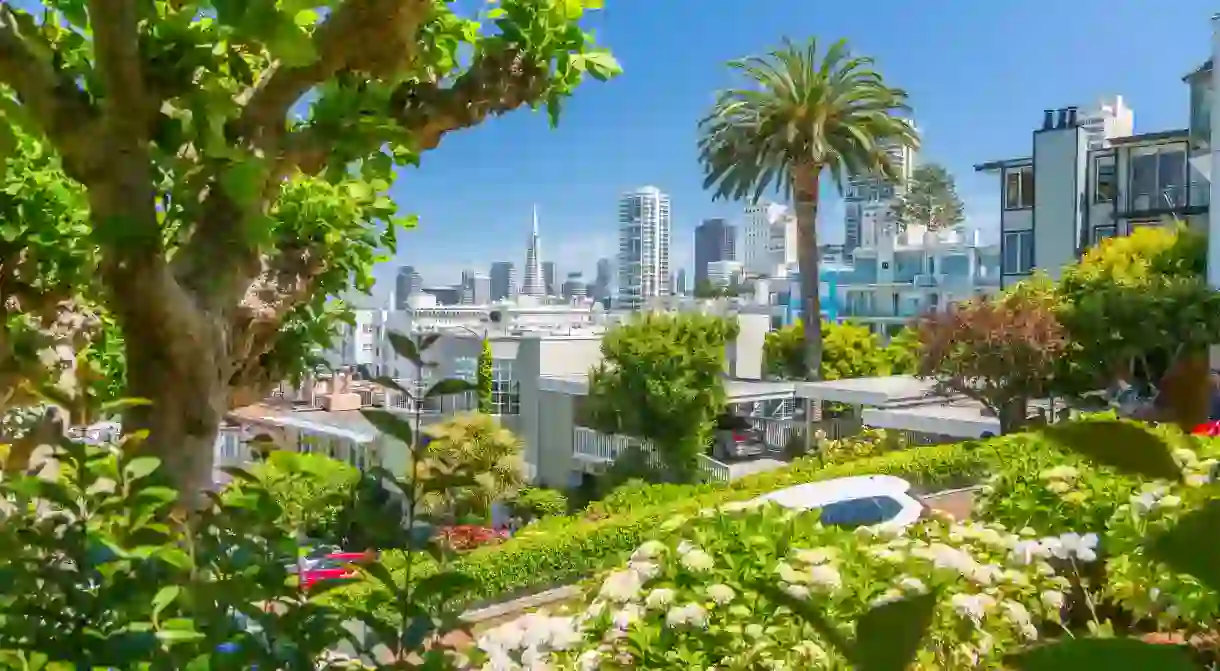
(979, 74)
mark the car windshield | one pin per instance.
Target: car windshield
(859, 512)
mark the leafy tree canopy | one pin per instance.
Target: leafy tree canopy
(849, 350)
(469, 463)
(662, 380)
(227, 165)
(930, 199)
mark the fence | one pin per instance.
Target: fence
(603, 448)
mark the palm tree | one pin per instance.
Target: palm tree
(801, 116)
(469, 463)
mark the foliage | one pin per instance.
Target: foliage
(484, 379)
(903, 352)
(463, 537)
(729, 588)
(226, 168)
(534, 502)
(929, 200)
(1000, 352)
(311, 490)
(661, 380)
(559, 550)
(469, 462)
(799, 114)
(848, 350)
(1138, 307)
(705, 289)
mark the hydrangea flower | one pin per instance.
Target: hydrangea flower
(697, 561)
(621, 586)
(691, 614)
(825, 576)
(648, 550)
(721, 594)
(1072, 545)
(659, 598)
(972, 606)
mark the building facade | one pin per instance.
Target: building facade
(868, 201)
(406, 283)
(643, 254)
(715, 240)
(1090, 177)
(533, 283)
(503, 280)
(769, 239)
(548, 278)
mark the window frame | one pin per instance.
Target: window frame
(1025, 252)
(1023, 201)
(1098, 236)
(1098, 162)
(1159, 188)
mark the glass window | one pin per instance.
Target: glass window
(1106, 178)
(860, 512)
(1102, 232)
(505, 390)
(1019, 188)
(1171, 177)
(1018, 248)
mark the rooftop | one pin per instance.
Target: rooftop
(869, 391)
(1177, 134)
(737, 391)
(958, 418)
(991, 166)
(348, 424)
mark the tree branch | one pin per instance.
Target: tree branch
(53, 101)
(116, 46)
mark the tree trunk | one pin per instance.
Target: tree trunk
(1185, 397)
(805, 185)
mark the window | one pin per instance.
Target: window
(1018, 249)
(366, 347)
(505, 390)
(1106, 180)
(1019, 188)
(1158, 177)
(1102, 232)
(368, 327)
(1141, 224)
(860, 512)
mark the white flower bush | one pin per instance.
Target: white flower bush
(702, 597)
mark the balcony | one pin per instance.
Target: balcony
(926, 280)
(598, 450)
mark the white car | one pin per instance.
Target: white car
(865, 500)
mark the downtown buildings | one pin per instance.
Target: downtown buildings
(644, 227)
(715, 240)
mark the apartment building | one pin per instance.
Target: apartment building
(643, 252)
(768, 242)
(906, 273)
(869, 200)
(1088, 177)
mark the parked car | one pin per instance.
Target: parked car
(735, 438)
(865, 500)
(329, 563)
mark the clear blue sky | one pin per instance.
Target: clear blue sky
(979, 74)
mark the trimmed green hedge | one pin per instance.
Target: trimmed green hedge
(567, 549)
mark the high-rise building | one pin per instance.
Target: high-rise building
(603, 280)
(680, 285)
(643, 249)
(868, 202)
(407, 282)
(532, 283)
(715, 240)
(548, 278)
(769, 241)
(503, 280)
(476, 288)
(574, 286)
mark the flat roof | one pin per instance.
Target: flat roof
(577, 384)
(990, 166)
(869, 391)
(348, 424)
(957, 419)
(1176, 134)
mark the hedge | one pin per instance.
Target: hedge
(568, 549)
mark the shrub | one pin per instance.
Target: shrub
(535, 502)
(311, 490)
(848, 350)
(713, 592)
(463, 537)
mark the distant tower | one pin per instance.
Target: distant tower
(533, 283)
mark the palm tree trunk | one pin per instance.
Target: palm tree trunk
(805, 184)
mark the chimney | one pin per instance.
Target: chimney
(1048, 119)
(1072, 111)
(1063, 118)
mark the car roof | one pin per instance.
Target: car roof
(817, 494)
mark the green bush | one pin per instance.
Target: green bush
(561, 550)
(311, 490)
(535, 502)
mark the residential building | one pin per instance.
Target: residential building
(503, 280)
(533, 283)
(643, 256)
(574, 287)
(1084, 183)
(406, 282)
(548, 278)
(724, 273)
(769, 239)
(908, 273)
(715, 240)
(868, 201)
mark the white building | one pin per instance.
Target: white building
(643, 251)
(724, 273)
(906, 274)
(868, 202)
(1081, 184)
(769, 239)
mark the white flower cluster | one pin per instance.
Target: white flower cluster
(528, 641)
(1060, 478)
(810, 571)
(1068, 546)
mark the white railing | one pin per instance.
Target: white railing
(603, 448)
(230, 451)
(777, 432)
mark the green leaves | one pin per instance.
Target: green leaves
(889, 635)
(141, 467)
(390, 424)
(1102, 653)
(1126, 446)
(1193, 545)
(449, 387)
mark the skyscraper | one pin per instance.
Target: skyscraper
(643, 248)
(601, 283)
(407, 282)
(868, 203)
(476, 288)
(574, 287)
(533, 283)
(715, 240)
(769, 241)
(680, 285)
(548, 278)
(503, 280)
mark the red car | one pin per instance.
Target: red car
(331, 566)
